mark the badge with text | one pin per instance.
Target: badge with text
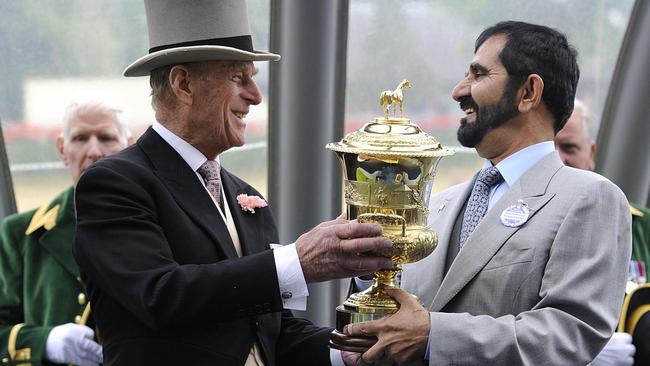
(515, 215)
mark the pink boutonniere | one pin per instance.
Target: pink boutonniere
(250, 203)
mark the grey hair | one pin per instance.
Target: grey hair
(161, 91)
(97, 103)
(585, 116)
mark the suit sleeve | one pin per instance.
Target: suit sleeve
(30, 336)
(121, 247)
(579, 298)
(302, 343)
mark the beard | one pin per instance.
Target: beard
(486, 118)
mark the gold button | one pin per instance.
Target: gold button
(77, 319)
(81, 298)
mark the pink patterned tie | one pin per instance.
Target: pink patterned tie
(210, 171)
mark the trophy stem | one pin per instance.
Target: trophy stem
(371, 304)
(375, 298)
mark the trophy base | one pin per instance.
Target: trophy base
(347, 314)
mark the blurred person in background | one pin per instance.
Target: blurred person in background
(573, 143)
(44, 309)
(578, 150)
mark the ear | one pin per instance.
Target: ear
(179, 81)
(59, 148)
(592, 150)
(530, 93)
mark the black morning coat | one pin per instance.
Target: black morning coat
(165, 282)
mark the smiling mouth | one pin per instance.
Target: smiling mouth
(468, 110)
(240, 115)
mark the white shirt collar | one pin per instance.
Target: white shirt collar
(193, 157)
(515, 165)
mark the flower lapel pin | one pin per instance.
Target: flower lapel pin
(250, 203)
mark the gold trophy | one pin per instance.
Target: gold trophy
(388, 169)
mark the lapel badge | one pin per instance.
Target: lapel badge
(515, 215)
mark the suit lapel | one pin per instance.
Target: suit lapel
(187, 190)
(245, 222)
(58, 240)
(490, 235)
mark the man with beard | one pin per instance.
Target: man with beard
(524, 273)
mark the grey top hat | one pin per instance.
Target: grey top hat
(197, 30)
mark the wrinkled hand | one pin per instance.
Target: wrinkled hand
(619, 351)
(73, 343)
(403, 336)
(330, 250)
(353, 359)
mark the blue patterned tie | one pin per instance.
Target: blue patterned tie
(210, 171)
(478, 202)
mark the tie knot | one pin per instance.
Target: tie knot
(210, 170)
(490, 176)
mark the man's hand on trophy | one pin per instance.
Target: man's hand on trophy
(332, 250)
(403, 336)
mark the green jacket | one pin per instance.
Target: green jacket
(39, 279)
(641, 237)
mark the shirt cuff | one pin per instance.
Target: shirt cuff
(336, 359)
(291, 280)
(361, 284)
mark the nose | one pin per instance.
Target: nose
(253, 94)
(94, 151)
(462, 89)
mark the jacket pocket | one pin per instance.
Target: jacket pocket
(510, 256)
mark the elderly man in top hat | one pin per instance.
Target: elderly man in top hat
(175, 249)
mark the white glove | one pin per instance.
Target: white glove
(73, 343)
(619, 351)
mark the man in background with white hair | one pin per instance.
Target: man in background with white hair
(573, 143)
(43, 306)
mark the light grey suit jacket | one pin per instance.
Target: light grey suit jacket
(546, 293)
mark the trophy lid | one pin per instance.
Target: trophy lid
(392, 136)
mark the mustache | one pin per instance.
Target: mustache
(467, 102)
